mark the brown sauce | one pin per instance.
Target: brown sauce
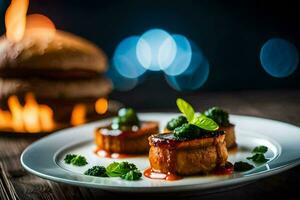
(170, 140)
(220, 171)
(224, 170)
(155, 175)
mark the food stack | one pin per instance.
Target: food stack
(61, 71)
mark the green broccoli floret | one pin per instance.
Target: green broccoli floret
(187, 131)
(76, 160)
(220, 116)
(118, 169)
(127, 118)
(124, 170)
(99, 171)
(79, 161)
(176, 122)
(69, 158)
(132, 175)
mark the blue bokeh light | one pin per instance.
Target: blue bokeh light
(279, 58)
(125, 60)
(182, 58)
(156, 49)
(119, 81)
(194, 76)
(184, 64)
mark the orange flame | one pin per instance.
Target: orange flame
(32, 117)
(35, 118)
(5, 119)
(30, 114)
(78, 115)
(17, 24)
(46, 118)
(15, 19)
(101, 106)
(16, 111)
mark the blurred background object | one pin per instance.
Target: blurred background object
(232, 36)
(50, 79)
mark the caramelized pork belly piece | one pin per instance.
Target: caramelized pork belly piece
(134, 141)
(187, 157)
(229, 135)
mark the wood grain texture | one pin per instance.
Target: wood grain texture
(282, 105)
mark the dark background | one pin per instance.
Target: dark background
(231, 34)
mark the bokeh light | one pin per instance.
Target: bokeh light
(182, 58)
(184, 64)
(101, 105)
(125, 60)
(120, 82)
(156, 49)
(194, 76)
(279, 57)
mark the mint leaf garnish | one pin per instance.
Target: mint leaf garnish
(118, 169)
(186, 109)
(196, 119)
(204, 122)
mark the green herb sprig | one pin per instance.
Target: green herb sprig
(76, 160)
(99, 171)
(258, 154)
(257, 157)
(260, 149)
(127, 117)
(220, 116)
(196, 119)
(124, 170)
(176, 122)
(116, 169)
(69, 157)
(132, 175)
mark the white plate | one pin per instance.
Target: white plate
(44, 158)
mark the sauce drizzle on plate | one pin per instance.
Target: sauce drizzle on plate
(155, 175)
(220, 171)
(224, 170)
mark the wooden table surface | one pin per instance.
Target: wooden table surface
(283, 105)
